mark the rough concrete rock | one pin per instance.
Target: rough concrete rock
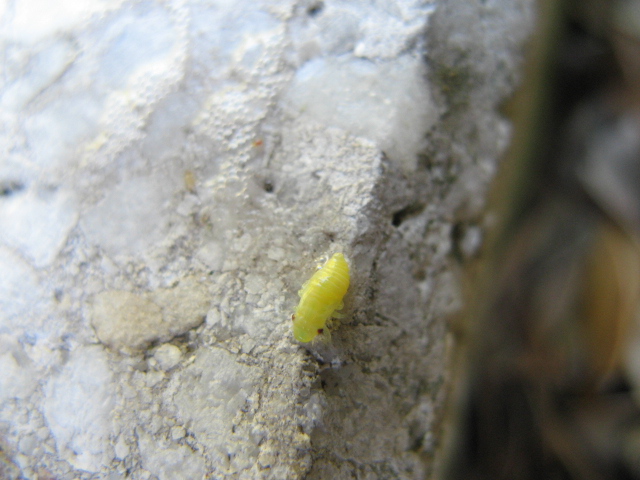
(171, 174)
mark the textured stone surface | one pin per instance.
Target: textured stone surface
(171, 173)
(126, 321)
(78, 403)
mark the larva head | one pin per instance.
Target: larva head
(304, 331)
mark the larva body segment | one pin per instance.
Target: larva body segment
(320, 297)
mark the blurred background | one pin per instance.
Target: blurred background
(547, 355)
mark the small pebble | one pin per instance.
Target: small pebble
(167, 356)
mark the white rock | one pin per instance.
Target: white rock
(212, 255)
(388, 102)
(18, 376)
(132, 218)
(172, 462)
(45, 67)
(210, 394)
(37, 223)
(20, 292)
(77, 407)
(177, 433)
(121, 449)
(34, 20)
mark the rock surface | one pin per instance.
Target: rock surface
(171, 174)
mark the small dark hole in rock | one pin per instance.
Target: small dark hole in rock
(401, 215)
(457, 232)
(10, 187)
(315, 9)
(268, 186)
(330, 236)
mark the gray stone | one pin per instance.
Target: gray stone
(171, 174)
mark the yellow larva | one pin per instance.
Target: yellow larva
(320, 297)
